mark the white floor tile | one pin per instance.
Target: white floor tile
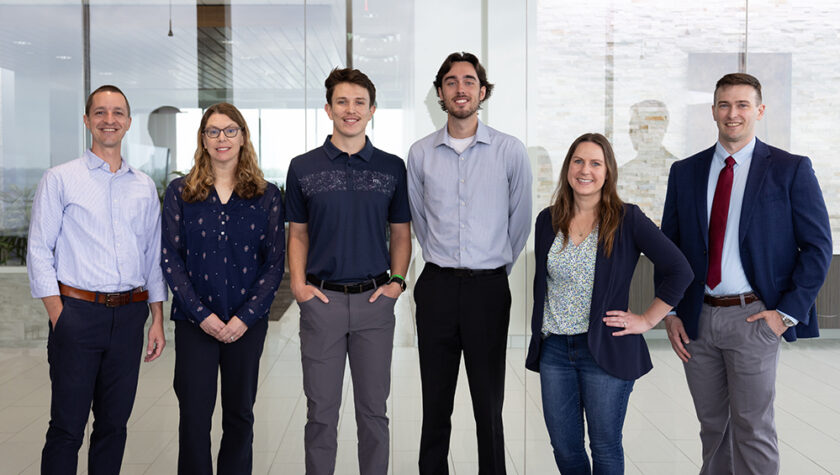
(145, 447)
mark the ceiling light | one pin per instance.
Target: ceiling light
(170, 34)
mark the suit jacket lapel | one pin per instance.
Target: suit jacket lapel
(755, 179)
(701, 185)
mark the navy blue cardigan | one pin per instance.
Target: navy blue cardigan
(625, 357)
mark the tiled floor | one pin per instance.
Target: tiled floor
(660, 433)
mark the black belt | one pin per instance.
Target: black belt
(464, 272)
(355, 288)
(730, 300)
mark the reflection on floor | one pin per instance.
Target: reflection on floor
(660, 433)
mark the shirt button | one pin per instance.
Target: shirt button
(462, 158)
(462, 180)
(463, 203)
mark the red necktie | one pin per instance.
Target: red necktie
(717, 222)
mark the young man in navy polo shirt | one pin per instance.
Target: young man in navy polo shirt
(340, 197)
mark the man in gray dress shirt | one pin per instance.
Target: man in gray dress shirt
(470, 192)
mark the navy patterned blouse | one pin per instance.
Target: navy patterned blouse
(219, 258)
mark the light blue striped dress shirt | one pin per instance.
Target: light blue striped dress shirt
(95, 230)
(470, 210)
(733, 279)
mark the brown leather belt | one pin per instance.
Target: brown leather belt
(730, 300)
(109, 299)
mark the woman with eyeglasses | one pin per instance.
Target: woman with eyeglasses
(222, 255)
(586, 345)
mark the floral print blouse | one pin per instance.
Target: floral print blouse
(571, 275)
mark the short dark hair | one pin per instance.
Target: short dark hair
(739, 79)
(353, 76)
(106, 88)
(469, 58)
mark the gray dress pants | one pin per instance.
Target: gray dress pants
(732, 379)
(347, 326)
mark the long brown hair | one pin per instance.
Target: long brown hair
(249, 177)
(610, 208)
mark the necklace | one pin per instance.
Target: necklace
(581, 232)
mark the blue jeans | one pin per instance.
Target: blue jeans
(574, 384)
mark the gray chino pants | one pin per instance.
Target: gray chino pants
(347, 326)
(732, 379)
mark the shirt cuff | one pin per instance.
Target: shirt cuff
(39, 290)
(784, 315)
(158, 294)
(201, 312)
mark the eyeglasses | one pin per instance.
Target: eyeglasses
(230, 132)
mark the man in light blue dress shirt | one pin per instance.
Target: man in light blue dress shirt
(751, 220)
(94, 249)
(469, 188)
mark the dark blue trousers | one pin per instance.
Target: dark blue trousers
(94, 353)
(198, 360)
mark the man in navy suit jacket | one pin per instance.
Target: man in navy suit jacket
(752, 222)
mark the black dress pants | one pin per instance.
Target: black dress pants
(198, 360)
(458, 311)
(94, 353)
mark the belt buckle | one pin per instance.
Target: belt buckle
(112, 299)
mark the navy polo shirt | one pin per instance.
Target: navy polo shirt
(347, 202)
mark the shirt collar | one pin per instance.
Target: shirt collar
(742, 157)
(482, 134)
(334, 152)
(93, 161)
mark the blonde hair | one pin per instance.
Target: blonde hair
(248, 176)
(610, 208)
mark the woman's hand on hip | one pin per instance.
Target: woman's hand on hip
(628, 322)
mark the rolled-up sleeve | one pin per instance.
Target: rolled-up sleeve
(44, 228)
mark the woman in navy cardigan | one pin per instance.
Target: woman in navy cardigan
(589, 352)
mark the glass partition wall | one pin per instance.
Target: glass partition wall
(641, 72)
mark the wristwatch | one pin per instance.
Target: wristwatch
(398, 279)
(788, 321)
